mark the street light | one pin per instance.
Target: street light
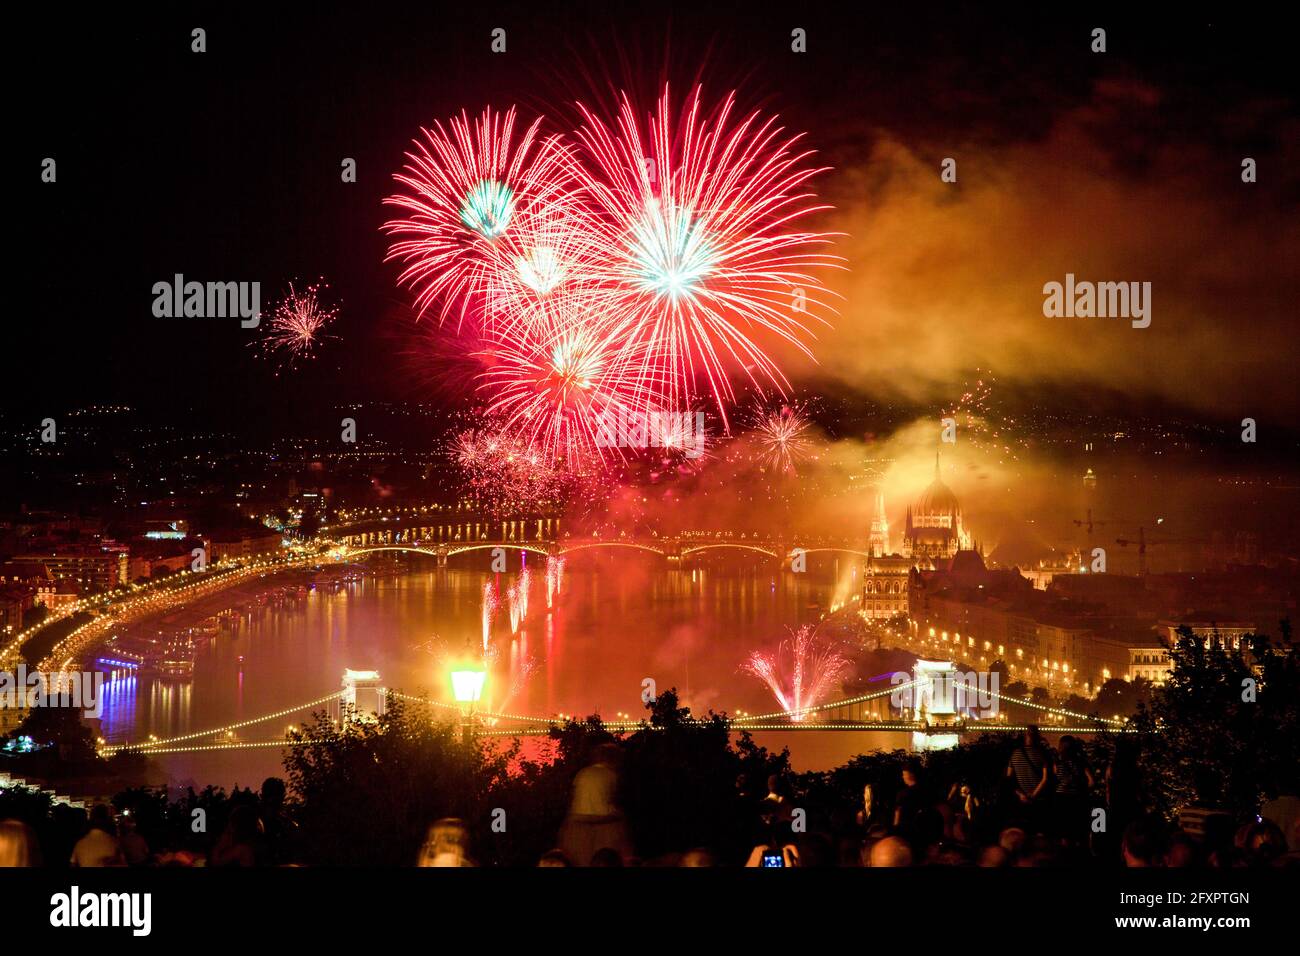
(467, 688)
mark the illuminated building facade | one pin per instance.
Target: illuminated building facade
(934, 529)
(884, 586)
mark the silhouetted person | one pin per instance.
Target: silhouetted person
(1144, 842)
(240, 844)
(1074, 780)
(1123, 803)
(18, 845)
(595, 821)
(446, 844)
(280, 832)
(99, 847)
(135, 849)
(891, 851)
(1030, 771)
(909, 803)
(776, 809)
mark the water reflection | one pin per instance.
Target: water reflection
(616, 622)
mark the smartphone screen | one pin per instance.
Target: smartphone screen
(773, 859)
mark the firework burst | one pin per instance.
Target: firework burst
(297, 324)
(481, 202)
(799, 673)
(699, 213)
(630, 273)
(782, 438)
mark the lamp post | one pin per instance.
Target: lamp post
(467, 688)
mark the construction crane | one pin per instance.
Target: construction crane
(1141, 542)
(1142, 549)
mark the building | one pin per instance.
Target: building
(885, 586)
(933, 529)
(89, 569)
(239, 545)
(964, 611)
(1149, 661)
(879, 537)
(1224, 633)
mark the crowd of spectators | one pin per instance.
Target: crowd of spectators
(1055, 810)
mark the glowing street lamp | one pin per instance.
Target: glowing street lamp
(467, 684)
(467, 687)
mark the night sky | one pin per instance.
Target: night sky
(226, 166)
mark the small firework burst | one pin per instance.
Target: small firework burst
(508, 474)
(800, 672)
(783, 438)
(297, 324)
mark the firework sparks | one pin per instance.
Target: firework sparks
(783, 438)
(488, 612)
(554, 578)
(799, 673)
(632, 272)
(700, 213)
(517, 599)
(297, 323)
(508, 475)
(480, 200)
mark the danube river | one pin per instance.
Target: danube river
(617, 620)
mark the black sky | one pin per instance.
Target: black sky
(225, 165)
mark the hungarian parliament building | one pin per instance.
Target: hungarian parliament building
(933, 533)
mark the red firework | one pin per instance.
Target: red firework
(700, 217)
(799, 673)
(477, 196)
(629, 276)
(562, 382)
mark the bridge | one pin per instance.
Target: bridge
(818, 718)
(545, 537)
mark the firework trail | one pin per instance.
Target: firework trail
(782, 438)
(524, 584)
(520, 669)
(554, 578)
(297, 324)
(799, 673)
(517, 599)
(488, 612)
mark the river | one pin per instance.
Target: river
(618, 619)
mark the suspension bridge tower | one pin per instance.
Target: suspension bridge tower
(364, 697)
(935, 709)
